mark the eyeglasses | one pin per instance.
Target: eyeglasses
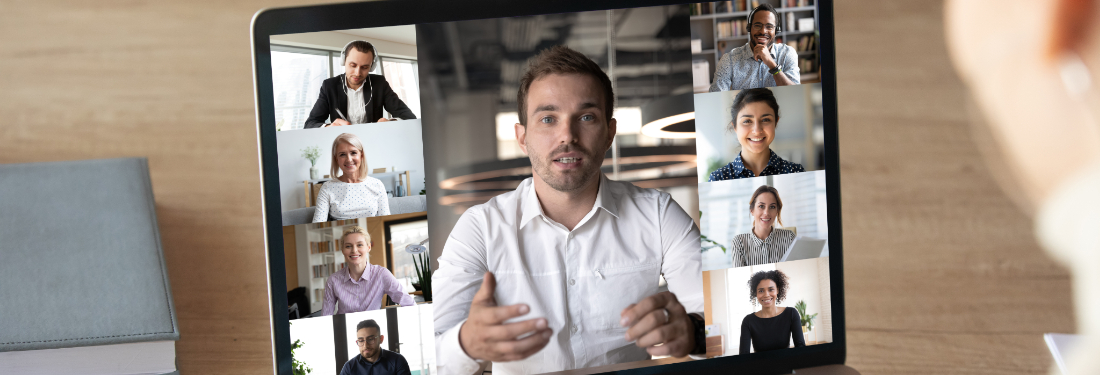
(361, 341)
(757, 26)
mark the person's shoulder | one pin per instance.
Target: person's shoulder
(377, 79)
(725, 172)
(624, 189)
(395, 356)
(373, 182)
(750, 317)
(333, 81)
(381, 271)
(784, 232)
(351, 362)
(506, 206)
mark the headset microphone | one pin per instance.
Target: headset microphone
(375, 60)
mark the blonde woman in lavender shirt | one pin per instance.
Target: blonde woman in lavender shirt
(359, 286)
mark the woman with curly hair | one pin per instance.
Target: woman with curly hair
(773, 326)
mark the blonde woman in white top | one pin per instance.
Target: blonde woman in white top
(351, 193)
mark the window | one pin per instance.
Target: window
(297, 74)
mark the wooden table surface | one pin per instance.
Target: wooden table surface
(943, 273)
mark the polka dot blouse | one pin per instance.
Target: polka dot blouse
(736, 169)
(342, 200)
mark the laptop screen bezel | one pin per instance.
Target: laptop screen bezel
(292, 20)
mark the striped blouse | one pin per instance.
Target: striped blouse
(346, 295)
(748, 250)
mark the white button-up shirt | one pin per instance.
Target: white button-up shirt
(357, 109)
(579, 280)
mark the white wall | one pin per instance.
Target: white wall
(397, 144)
(335, 41)
(729, 297)
(792, 134)
(317, 346)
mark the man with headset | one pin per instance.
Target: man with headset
(344, 99)
(760, 62)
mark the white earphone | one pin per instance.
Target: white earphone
(374, 61)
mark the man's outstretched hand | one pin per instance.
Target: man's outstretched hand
(672, 334)
(485, 336)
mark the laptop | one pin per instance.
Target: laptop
(383, 126)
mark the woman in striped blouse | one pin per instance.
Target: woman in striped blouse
(359, 286)
(766, 243)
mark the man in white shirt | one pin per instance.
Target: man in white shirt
(563, 272)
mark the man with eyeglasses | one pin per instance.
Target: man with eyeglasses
(760, 62)
(372, 359)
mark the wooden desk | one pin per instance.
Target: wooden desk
(943, 273)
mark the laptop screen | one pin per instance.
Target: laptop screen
(634, 189)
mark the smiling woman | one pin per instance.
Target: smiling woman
(359, 286)
(351, 194)
(766, 243)
(755, 115)
(774, 326)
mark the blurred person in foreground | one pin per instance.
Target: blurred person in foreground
(1033, 68)
(577, 257)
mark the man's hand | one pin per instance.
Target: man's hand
(761, 54)
(485, 336)
(383, 119)
(650, 326)
(339, 122)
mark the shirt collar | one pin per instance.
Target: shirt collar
(604, 200)
(347, 274)
(739, 166)
(344, 79)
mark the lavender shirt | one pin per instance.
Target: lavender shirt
(364, 294)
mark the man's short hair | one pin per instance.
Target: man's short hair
(361, 46)
(369, 323)
(757, 10)
(562, 60)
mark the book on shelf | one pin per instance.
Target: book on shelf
(700, 73)
(799, 3)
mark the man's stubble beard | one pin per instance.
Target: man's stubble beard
(563, 182)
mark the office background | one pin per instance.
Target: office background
(799, 134)
(172, 81)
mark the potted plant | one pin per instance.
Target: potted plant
(807, 320)
(423, 268)
(299, 367)
(312, 153)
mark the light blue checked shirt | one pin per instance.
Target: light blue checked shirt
(737, 70)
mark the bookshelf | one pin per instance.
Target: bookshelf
(323, 257)
(719, 27)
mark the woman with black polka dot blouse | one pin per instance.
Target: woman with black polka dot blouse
(351, 194)
(755, 115)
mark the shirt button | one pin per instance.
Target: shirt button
(574, 329)
(572, 282)
(570, 236)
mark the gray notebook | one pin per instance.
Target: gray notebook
(80, 256)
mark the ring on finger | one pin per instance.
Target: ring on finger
(666, 314)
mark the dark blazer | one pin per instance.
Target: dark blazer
(333, 96)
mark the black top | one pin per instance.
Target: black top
(333, 96)
(771, 333)
(389, 363)
(736, 169)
